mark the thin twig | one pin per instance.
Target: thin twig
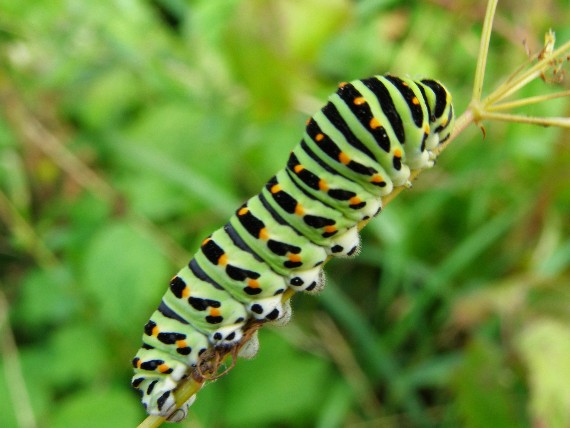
(342, 355)
(13, 371)
(26, 234)
(483, 50)
(505, 90)
(562, 122)
(507, 105)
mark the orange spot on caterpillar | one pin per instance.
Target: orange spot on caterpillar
(215, 312)
(299, 209)
(186, 292)
(398, 153)
(343, 158)
(298, 168)
(330, 229)
(223, 260)
(375, 123)
(342, 84)
(163, 368)
(323, 185)
(355, 200)
(377, 179)
(243, 211)
(139, 363)
(263, 234)
(320, 137)
(253, 283)
(155, 331)
(415, 101)
(426, 128)
(358, 101)
(294, 257)
(276, 188)
(205, 241)
(181, 344)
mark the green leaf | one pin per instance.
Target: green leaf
(125, 275)
(96, 408)
(336, 405)
(545, 349)
(483, 397)
(107, 99)
(46, 299)
(77, 353)
(190, 183)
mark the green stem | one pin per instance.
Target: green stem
(13, 371)
(484, 50)
(532, 73)
(562, 122)
(527, 101)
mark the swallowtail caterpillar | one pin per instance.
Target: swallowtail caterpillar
(358, 148)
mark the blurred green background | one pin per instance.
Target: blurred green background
(132, 129)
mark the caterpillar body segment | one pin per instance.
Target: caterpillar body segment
(247, 279)
(344, 195)
(308, 216)
(363, 143)
(273, 241)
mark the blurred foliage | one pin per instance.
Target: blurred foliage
(132, 129)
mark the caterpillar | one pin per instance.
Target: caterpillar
(360, 146)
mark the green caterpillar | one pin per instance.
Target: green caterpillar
(360, 146)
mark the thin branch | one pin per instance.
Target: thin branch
(562, 122)
(510, 87)
(26, 234)
(13, 371)
(483, 50)
(527, 101)
(344, 358)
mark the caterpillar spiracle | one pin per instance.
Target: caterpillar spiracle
(355, 150)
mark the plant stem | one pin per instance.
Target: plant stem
(527, 101)
(483, 50)
(562, 122)
(13, 371)
(511, 86)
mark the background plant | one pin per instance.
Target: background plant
(132, 129)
